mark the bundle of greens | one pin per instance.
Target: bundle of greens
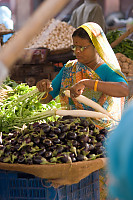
(10, 83)
(22, 102)
(125, 47)
(23, 106)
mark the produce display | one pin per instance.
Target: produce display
(125, 47)
(126, 64)
(30, 135)
(55, 35)
(22, 106)
(65, 140)
(19, 103)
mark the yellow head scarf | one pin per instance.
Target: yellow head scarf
(102, 46)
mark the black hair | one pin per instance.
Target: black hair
(80, 32)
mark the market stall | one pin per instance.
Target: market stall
(46, 54)
(15, 183)
(41, 156)
(123, 47)
(58, 156)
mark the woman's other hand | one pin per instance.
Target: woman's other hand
(44, 85)
(77, 89)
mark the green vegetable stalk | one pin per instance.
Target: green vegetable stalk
(125, 47)
(23, 106)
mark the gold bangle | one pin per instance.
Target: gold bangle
(95, 85)
(45, 96)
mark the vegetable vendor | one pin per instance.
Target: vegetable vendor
(95, 73)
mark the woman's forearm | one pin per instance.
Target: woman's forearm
(115, 89)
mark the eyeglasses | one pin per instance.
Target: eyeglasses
(74, 47)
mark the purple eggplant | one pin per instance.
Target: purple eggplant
(39, 160)
(82, 138)
(81, 157)
(52, 134)
(84, 123)
(56, 130)
(36, 140)
(65, 128)
(56, 140)
(51, 148)
(29, 161)
(42, 152)
(46, 129)
(62, 135)
(65, 158)
(74, 127)
(21, 159)
(47, 142)
(48, 154)
(71, 135)
(91, 127)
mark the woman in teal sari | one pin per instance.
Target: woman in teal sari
(95, 74)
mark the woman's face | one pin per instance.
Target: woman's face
(84, 55)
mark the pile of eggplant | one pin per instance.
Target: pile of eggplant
(66, 140)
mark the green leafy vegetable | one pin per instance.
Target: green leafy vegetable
(22, 105)
(125, 47)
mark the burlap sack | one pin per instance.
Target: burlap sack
(59, 174)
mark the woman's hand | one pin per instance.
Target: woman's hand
(77, 89)
(44, 85)
(114, 89)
